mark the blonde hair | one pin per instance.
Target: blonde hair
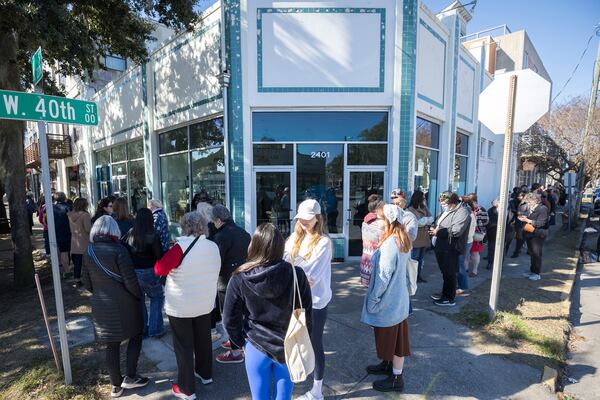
(317, 233)
(397, 229)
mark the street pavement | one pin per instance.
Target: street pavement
(444, 363)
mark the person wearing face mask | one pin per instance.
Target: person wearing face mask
(418, 207)
(408, 219)
(310, 248)
(449, 238)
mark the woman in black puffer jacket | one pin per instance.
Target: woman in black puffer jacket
(109, 274)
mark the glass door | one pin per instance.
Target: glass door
(361, 183)
(274, 194)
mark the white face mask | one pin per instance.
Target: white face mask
(445, 207)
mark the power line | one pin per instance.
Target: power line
(474, 3)
(587, 46)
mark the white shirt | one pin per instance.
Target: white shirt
(472, 228)
(317, 268)
(411, 224)
(191, 288)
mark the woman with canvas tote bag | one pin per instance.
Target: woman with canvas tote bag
(261, 292)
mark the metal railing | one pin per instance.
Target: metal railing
(59, 147)
(487, 32)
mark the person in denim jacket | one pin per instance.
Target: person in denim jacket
(386, 303)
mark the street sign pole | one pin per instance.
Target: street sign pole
(502, 212)
(60, 309)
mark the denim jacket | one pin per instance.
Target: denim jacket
(386, 301)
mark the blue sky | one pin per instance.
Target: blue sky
(559, 30)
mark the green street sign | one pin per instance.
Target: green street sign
(36, 66)
(39, 107)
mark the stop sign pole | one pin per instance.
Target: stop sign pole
(501, 230)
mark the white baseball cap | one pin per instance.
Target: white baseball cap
(308, 209)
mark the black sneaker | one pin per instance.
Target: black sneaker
(436, 296)
(392, 383)
(514, 255)
(134, 382)
(116, 391)
(383, 368)
(444, 303)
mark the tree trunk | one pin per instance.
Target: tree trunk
(12, 168)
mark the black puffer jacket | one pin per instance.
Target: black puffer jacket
(233, 243)
(115, 306)
(258, 307)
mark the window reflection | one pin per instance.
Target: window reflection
(320, 176)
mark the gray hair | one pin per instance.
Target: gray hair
(496, 202)
(155, 203)
(221, 212)
(206, 210)
(105, 226)
(532, 200)
(193, 224)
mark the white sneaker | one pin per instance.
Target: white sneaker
(534, 277)
(309, 396)
(204, 381)
(526, 274)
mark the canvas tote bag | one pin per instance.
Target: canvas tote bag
(412, 271)
(299, 353)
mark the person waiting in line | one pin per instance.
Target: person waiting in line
(63, 233)
(205, 209)
(109, 275)
(386, 303)
(410, 221)
(161, 223)
(371, 231)
(43, 220)
(122, 216)
(418, 207)
(481, 221)
(104, 207)
(518, 207)
(463, 260)
(310, 248)
(145, 249)
(261, 292)
(535, 233)
(190, 291)
(201, 197)
(449, 237)
(31, 209)
(81, 224)
(233, 244)
(492, 229)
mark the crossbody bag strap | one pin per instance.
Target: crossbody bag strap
(113, 275)
(189, 248)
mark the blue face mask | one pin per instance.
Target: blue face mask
(445, 207)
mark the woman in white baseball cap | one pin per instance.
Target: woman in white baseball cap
(310, 248)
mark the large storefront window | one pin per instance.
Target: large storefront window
(426, 160)
(120, 171)
(461, 160)
(192, 157)
(337, 158)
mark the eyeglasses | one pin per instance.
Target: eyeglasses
(394, 197)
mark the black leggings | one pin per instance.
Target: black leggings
(535, 245)
(113, 359)
(316, 337)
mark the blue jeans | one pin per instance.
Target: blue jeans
(151, 287)
(463, 278)
(261, 370)
(417, 254)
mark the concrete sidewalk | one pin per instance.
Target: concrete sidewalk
(445, 364)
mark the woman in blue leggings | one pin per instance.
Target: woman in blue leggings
(264, 276)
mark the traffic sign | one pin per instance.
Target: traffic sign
(532, 101)
(36, 66)
(39, 107)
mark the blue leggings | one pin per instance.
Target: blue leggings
(260, 370)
